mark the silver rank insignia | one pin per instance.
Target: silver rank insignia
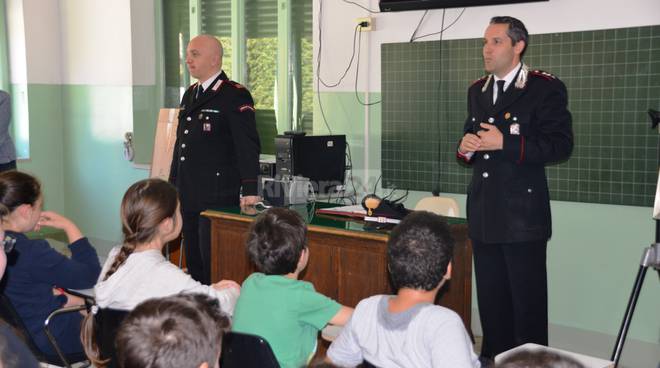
(206, 127)
(514, 129)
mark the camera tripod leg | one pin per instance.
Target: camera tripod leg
(625, 325)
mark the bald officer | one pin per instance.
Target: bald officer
(216, 154)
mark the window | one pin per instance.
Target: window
(176, 25)
(216, 21)
(264, 30)
(302, 60)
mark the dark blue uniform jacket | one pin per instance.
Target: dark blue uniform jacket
(508, 199)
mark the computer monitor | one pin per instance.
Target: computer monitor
(321, 158)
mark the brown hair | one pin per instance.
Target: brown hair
(18, 188)
(144, 206)
(178, 331)
(538, 359)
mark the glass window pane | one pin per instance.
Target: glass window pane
(216, 21)
(176, 23)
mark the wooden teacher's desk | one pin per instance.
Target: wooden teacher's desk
(346, 263)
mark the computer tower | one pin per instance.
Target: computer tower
(321, 158)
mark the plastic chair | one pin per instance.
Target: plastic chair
(439, 205)
(9, 315)
(240, 350)
(106, 324)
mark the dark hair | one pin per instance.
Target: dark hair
(516, 32)
(178, 331)
(18, 188)
(275, 241)
(144, 206)
(538, 359)
(419, 251)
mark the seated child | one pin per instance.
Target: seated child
(180, 331)
(137, 270)
(13, 351)
(407, 329)
(274, 304)
(34, 268)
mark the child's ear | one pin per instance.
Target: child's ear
(166, 226)
(447, 275)
(304, 257)
(24, 210)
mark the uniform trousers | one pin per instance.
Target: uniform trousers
(512, 294)
(197, 244)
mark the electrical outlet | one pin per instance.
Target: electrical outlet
(368, 21)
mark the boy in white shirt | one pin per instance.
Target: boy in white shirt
(407, 329)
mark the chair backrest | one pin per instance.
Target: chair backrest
(240, 350)
(8, 314)
(439, 205)
(107, 323)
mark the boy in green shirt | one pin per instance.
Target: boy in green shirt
(274, 304)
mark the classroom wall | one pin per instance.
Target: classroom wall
(594, 254)
(85, 63)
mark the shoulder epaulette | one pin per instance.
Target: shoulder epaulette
(542, 74)
(236, 85)
(482, 79)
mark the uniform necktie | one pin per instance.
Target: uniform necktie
(500, 90)
(200, 91)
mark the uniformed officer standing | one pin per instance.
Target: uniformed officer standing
(216, 154)
(518, 122)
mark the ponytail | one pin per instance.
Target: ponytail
(90, 345)
(121, 257)
(144, 206)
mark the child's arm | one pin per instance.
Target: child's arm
(342, 316)
(53, 219)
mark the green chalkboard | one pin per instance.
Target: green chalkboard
(612, 76)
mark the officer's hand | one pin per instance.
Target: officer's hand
(469, 143)
(491, 138)
(250, 200)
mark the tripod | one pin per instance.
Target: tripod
(650, 258)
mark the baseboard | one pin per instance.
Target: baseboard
(636, 353)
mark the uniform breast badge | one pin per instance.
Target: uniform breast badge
(206, 127)
(514, 129)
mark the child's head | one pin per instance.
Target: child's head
(419, 251)
(539, 359)
(149, 211)
(276, 242)
(20, 193)
(180, 331)
(145, 206)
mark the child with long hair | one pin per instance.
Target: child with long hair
(137, 270)
(35, 271)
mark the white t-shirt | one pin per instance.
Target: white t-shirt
(148, 274)
(425, 335)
